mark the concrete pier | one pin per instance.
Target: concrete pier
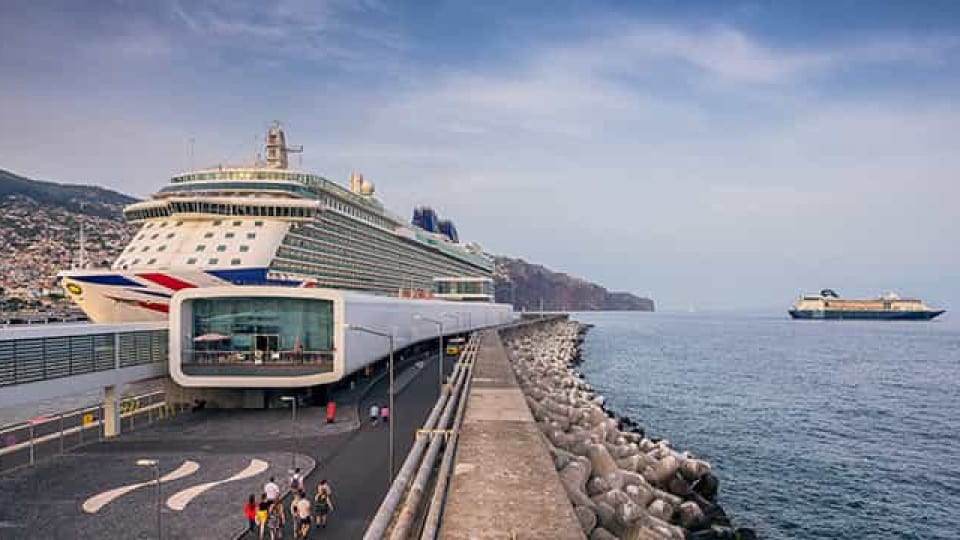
(504, 483)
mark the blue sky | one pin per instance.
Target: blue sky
(714, 154)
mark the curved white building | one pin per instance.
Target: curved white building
(283, 337)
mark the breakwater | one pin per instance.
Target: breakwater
(621, 483)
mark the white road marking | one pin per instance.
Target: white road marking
(180, 500)
(98, 501)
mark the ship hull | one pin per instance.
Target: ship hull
(864, 315)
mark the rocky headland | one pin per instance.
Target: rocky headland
(530, 286)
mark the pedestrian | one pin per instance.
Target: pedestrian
(262, 509)
(296, 480)
(324, 504)
(272, 490)
(275, 520)
(250, 511)
(374, 414)
(303, 515)
(385, 414)
(294, 499)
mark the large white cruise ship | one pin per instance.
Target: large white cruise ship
(269, 225)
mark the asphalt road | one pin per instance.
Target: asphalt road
(45, 500)
(356, 465)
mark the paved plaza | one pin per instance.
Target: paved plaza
(210, 461)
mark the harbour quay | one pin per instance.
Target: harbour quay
(509, 443)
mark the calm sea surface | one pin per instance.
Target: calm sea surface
(816, 429)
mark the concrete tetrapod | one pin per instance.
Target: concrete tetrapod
(621, 484)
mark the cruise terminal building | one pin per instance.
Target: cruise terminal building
(231, 345)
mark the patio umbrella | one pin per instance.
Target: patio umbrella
(213, 336)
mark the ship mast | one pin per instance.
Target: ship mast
(277, 149)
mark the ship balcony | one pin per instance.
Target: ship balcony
(281, 363)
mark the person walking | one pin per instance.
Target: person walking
(303, 515)
(324, 502)
(262, 510)
(374, 414)
(250, 512)
(276, 519)
(272, 490)
(385, 414)
(296, 480)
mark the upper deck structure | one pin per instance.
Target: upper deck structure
(266, 224)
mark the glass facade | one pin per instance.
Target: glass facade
(260, 330)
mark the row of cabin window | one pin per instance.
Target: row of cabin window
(236, 223)
(209, 234)
(239, 209)
(222, 247)
(191, 260)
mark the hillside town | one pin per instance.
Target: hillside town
(41, 239)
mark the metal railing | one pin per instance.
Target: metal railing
(25, 443)
(38, 358)
(406, 502)
(283, 357)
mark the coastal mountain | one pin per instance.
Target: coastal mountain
(90, 200)
(528, 286)
(40, 223)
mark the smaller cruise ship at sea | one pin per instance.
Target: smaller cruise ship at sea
(889, 307)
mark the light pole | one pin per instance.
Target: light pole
(293, 428)
(156, 469)
(392, 421)
(439, 323)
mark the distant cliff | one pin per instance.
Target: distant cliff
(524, 285)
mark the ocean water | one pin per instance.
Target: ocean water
(816, 429)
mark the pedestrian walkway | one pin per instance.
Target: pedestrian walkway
(504, 483)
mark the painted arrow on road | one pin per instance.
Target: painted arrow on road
(98, 501)
(179, 500)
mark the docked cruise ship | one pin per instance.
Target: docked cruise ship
(266, 224)
(828, 305)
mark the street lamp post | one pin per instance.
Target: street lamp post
(393, 412)
(156, 469)
(439, 323)
(293, 428)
